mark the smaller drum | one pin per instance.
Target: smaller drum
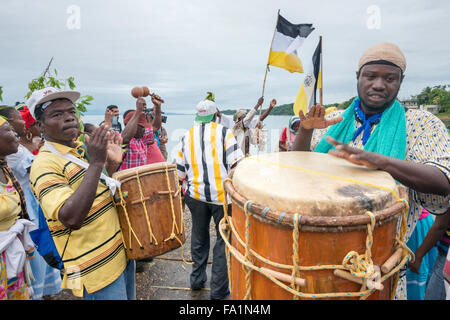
(150, 210)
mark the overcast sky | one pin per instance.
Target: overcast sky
(181, 49)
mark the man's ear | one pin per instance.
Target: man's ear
(357, 75)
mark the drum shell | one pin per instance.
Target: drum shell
(322, 241)
(155, 189)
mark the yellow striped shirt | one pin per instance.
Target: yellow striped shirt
(204, 157)
(95, 255)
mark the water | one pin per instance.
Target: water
(177, 125)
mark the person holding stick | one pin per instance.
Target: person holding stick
(244, 121)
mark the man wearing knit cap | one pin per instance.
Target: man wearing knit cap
(204, 157)
(377, 132)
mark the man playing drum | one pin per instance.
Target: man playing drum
(71, 186)
(376, 131)
(204, 158)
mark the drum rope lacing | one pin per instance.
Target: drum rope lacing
(173, 235)
(152, 237)
(147, 218)
(360, 266)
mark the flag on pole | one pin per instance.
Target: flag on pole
(288, 38)
(306, 96)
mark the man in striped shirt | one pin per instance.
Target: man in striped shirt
(204, 158)
(77, 202)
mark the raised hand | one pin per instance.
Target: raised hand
(273, 103)
(156, 100)
(114, 148)
(108, 118)
(315, 118)
(140, 105)
(260, 101)
(97, 144)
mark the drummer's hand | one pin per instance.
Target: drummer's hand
(140, 105)
(97, 144)
(114, 149)
(415, 265)
(357, 156)
(315, 118)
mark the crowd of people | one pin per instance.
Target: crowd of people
(56, 167)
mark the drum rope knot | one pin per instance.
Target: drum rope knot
(361, 266)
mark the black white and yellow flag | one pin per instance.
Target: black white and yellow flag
(287, 40)
(306, 96)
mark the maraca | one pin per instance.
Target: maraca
(137, 92)
(146, 91)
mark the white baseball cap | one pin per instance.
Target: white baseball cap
(205, 111)
(39, 97)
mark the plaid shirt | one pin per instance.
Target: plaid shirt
(136, 154)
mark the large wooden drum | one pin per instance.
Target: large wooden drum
(305, 223)
(150, 211)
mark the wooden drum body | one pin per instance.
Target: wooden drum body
(150, 211)
(328, 199)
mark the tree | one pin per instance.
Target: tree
(438, 95)
(1, 92)
(49, 79)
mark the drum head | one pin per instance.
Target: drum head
(313, 184)
(121, 175)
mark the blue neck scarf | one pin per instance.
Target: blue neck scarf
(388, 138)
(366, 126)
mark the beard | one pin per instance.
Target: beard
(373, 109)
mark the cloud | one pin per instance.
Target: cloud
(181, 49)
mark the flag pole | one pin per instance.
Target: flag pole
(267, 65)
(321, 68)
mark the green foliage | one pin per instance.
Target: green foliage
(287, 109)
(342, 105)
(48, 79)
(439, 95)
(1, 92)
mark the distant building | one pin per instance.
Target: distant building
(410, 103)
(433, 108)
